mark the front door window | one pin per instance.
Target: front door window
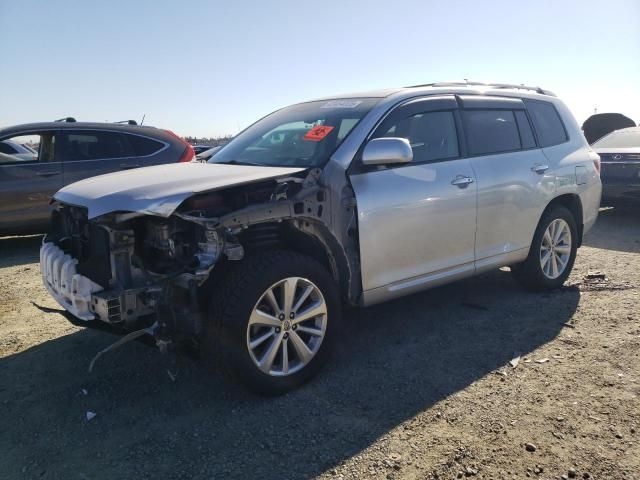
(29, 148)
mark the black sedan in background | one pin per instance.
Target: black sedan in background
(620, 163)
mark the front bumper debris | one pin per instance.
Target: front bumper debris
(70, 289)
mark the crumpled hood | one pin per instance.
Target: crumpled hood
(161, 189)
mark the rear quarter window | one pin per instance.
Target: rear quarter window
(144, 146)
(546, 122)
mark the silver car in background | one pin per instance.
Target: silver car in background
(357, 200)
(620, 156)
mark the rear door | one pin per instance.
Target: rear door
(87, 153)
(27, 182)
(417, 221)
(514, 177)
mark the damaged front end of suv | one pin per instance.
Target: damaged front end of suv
(133, 270)
(246, 256)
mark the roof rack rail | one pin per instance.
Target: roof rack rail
(66, 119)
(128, 122)
(483, 84)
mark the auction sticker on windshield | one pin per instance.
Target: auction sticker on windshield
(317, 133)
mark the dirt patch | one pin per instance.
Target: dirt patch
(422, 387)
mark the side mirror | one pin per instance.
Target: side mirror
(385, 151)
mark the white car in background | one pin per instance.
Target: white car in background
(620, 156)
(16, 150)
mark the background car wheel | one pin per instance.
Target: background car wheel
(552, 252)
(273, 323)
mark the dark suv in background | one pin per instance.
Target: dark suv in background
(68, 151)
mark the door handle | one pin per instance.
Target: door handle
(539, 168)
(47, 174)
(462, 181)
(126, 166)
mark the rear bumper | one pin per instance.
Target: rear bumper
(620, 179)
(59, 276)
(618, 190)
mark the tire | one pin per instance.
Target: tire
(243, 299)
(531, 273)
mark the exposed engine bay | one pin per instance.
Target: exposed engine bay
(134, 270)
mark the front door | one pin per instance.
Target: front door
(30, 173)
(417, 221)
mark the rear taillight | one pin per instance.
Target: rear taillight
(189, 154)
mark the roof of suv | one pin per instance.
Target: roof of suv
(80, 126)
(451, 87)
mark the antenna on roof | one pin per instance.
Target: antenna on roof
(66, 119)
(128, 122)
(142, 121)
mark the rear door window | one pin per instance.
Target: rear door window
(96, 145)
(491, 131)
(547, 123)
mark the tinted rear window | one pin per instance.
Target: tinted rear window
(546, 122)
(144, 146)
(6, 148)
(491, 131)
(620, 139)
(95, 145)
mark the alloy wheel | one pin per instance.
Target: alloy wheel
(287, 326)
(555, 249)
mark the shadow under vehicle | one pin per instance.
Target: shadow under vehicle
(392, 361)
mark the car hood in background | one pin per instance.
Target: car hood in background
(161, 189)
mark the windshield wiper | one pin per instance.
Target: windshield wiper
(240, 162)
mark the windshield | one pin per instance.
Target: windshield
(620, 139)
(302, 135)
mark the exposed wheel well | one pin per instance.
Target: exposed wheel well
(572, 202)
(309, 238)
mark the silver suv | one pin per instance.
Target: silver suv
(352, 200)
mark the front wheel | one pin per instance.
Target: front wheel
(552, 252)
(274, 324)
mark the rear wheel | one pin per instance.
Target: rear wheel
(552, 252)
(273, 326)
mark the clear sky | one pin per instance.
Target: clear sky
(211, 67)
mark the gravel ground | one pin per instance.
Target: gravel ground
(420, 387)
